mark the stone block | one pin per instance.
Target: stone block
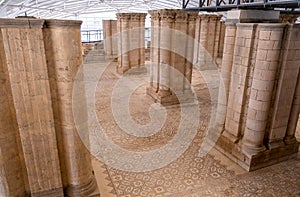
(248, 16)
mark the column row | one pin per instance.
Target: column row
(260, 70)
(172, 44)
(131, 40)
(39, 60)
(209, 37)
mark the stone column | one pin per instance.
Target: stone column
(28, 75)
(294, 116)
(286, 82)
(292, 66)
(154, 52)
(132, 49)
(142, 39)
(114, 38)
(226, 68)
(174, 50)
(109, 37)
(240, 70)
(260, 105)
(203, 54)
(178, 50)
(62, 44)
(197, 38)
(191, 42)
(262, 87)
(166, 23)
(11, 177)
(222, 38)
(123, 22)
(135, 41)
(208, 34)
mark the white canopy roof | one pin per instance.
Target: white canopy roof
(75, 8)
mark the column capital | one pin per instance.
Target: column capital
(181, 16)
(21, 23)
(167, 14)
(192, 16)
(123, 16)
(138, 16)
(154, 14)
(204, 17)
(288, 18)
(62, 23)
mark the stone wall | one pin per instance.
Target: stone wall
(260, 70)
(42, 154)
(131, 40)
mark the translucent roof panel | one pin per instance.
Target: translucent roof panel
(75, 8)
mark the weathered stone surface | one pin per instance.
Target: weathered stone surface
(63, 52)
(260, 116)
(30, 90)
(131, 40)
(110, 38)
(172, 46)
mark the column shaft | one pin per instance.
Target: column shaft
(107, 33)
(262, 88)
(132, 40)
(240, 69)
(62, 43)
(191, 42)
(167, 21)
(28, 74)
(11, 177)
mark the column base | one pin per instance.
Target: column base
(275, 144)
(58, 192)
(259, 160)
(113, 58)
(171, 99)
(88, 190)
(290, 140)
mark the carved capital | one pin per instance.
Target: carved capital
(123, 16)
(167, 15)
(204, 17)
(192, 16)
(288, 18)
(154, 14)
(181, 16)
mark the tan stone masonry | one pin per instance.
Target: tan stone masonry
(166, 25)
(110, 38)
(131, 40)
(260, 69)
(43, 154)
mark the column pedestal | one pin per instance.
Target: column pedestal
(262, 75)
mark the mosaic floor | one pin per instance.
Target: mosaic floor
(188, 175)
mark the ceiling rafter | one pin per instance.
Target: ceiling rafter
(67, 8)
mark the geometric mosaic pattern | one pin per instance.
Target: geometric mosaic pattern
(189, 175)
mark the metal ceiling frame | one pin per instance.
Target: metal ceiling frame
(69, 8)
(224, 5)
